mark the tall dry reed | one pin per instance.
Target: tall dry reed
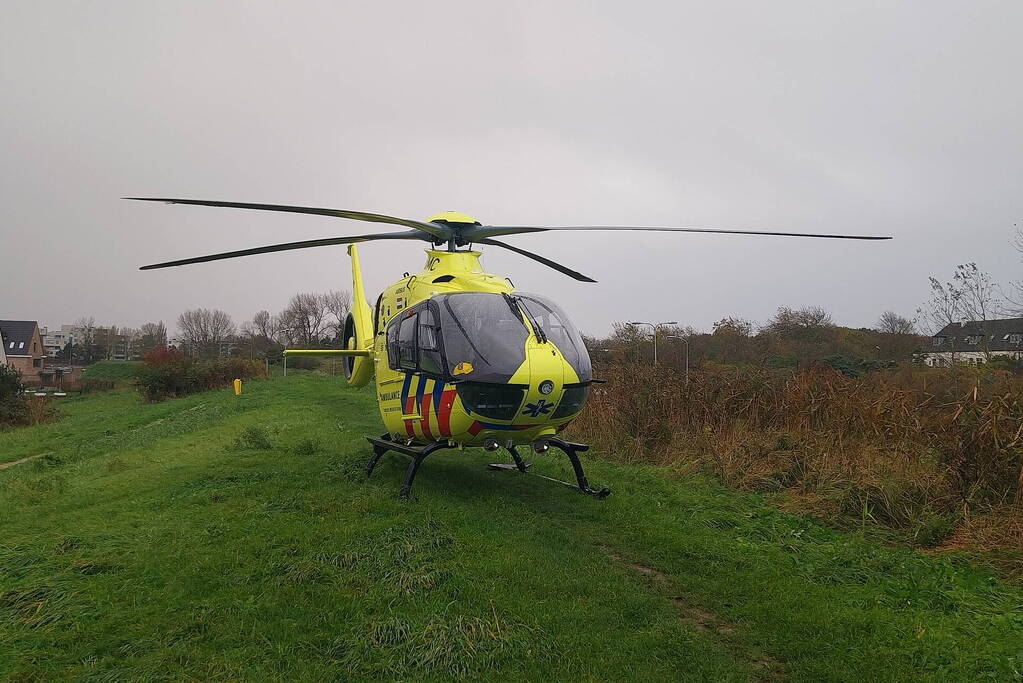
(910, 449)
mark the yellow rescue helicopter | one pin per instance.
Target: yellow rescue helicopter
(459, 356)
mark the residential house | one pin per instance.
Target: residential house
(23, 348)
(975, 342)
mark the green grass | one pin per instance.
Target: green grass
(236, 538)
(113, 370)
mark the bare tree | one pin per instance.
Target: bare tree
(129, 342)
(263, 325)
(262, 335)
(979, 299)
(152, 336)
(978, 294)
(338, 303)
(943, 308)
(203, 331)
(1014, 297)
(891, 322)
(799, 323)
(84, 330)
(306, 319)
(733, 327)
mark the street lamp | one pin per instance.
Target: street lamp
(686, 342)
(655, 327)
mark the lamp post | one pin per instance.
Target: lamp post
(686, 342)
(655, 327)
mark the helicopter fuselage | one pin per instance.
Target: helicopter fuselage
(459, 356)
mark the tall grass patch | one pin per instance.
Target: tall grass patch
(919, 451)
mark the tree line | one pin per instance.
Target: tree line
(791, 337)
(310, 320)
(795, 336)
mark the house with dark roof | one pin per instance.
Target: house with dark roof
(23, 348)
(976, 342)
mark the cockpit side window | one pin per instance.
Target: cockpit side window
(407, 355)
(430, 359)
(392, 345)
(560, 330)
(378, 318)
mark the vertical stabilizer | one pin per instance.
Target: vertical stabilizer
(358, 333)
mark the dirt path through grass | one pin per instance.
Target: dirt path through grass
(5, 465)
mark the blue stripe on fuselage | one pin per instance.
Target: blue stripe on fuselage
(404, 390)
(419, 392)
(438, 391)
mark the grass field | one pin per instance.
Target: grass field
(233, 537)
(112, 370)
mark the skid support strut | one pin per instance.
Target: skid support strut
(383, 444)
(570, 450)
(519, 465)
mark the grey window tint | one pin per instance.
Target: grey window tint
(483, 338)
(392, 345)
(407, 343)
(560, 331)
(430, 360)
(427, 334)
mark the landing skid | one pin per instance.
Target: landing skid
(570, 450)
(382, 444)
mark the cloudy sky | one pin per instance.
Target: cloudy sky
(889, 118)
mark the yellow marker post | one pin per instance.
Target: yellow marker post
(237, 387)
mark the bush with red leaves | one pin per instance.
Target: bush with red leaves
(166, 373)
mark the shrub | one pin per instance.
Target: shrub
(90, 385)
(38, 410)
(13, 404)
(253, 438)
(166, 373)
(303, 363)
(306, 446)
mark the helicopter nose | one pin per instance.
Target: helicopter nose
(546, 378)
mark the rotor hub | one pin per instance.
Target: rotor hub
(452, 217)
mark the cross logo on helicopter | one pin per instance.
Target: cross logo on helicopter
(541, 407)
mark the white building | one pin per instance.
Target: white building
(55, 341)
(975, 342)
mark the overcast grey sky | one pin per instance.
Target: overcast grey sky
(888, 117)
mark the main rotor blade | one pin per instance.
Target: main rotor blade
(438, 231)
(536, 257)
(475, 234)
(305, 244)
